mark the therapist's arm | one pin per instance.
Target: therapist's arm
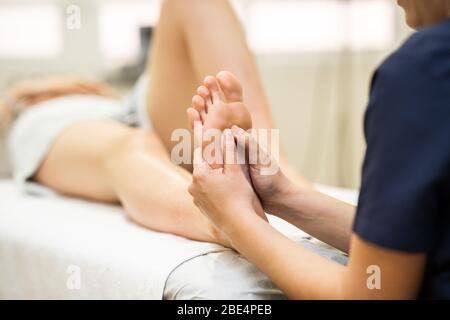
(323, 217)
(302, 274)
(319, 215)
(226, 196)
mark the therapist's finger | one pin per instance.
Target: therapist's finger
(201, 166)
(246, 142)
(230, 153)
(199, 163)
(242, 136)
(258, 157)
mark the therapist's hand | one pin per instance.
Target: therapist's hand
(225, 194)
(269, 182)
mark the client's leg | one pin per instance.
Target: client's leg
(106, 161)
(195, 38)
(110, 162)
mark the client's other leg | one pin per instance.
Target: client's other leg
(195, 38)
(106, 161)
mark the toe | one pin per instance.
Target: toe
(203, 92)
(230, 85)
(199, 104)
(193, 116)
(213, 87)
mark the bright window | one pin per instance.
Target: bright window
(30, 31)
(372, 24)
(319, 25)
(119, 24)
(291, 26)
(272, 26)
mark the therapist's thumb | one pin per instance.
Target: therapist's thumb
(200, 165)
(230, 153)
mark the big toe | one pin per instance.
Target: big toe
(230, 85)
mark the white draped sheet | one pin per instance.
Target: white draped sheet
(44, 239)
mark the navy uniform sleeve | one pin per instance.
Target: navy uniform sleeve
(407, 128)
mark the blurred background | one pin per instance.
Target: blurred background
(316, 58)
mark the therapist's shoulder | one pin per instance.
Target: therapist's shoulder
(425, 55)
(415, 78)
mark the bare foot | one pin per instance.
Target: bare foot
(218, 103)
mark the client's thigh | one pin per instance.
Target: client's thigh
(76, 162)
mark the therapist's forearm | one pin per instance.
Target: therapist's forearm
(300, 273)
(319, 215)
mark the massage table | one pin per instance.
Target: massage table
(54, 247)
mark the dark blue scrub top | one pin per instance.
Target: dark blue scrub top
(405, 191)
